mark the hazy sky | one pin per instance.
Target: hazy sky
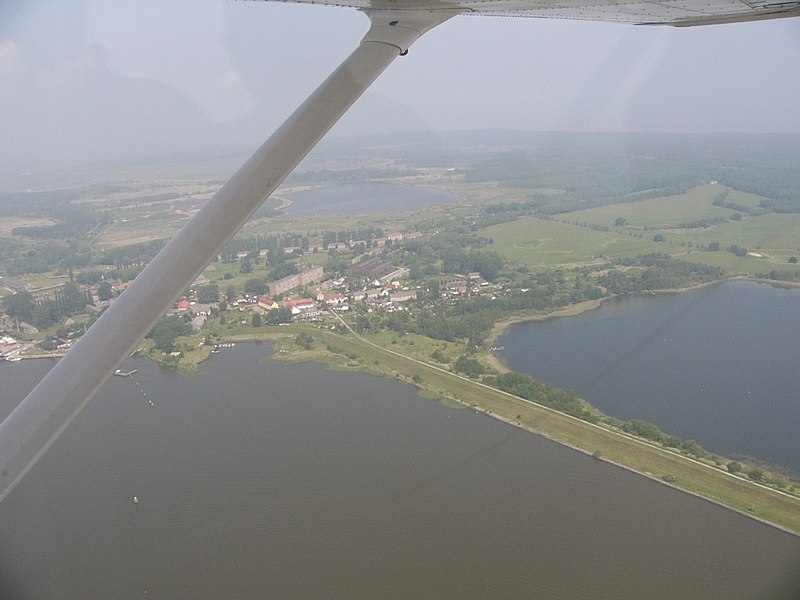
(83, 81)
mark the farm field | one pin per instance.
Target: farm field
(534, 242)
(583, 236)
(657, 213)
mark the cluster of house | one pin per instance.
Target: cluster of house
(460, 286)
(307, 307)
(383, 292)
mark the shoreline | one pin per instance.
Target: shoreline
(628, 469)
(573, 310)
(702, 480)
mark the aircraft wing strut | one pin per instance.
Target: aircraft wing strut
(45, 413)
(35, 424)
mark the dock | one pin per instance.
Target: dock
(120, 373)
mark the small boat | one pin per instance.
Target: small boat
(136, 500)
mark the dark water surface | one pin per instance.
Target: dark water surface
(720, 365)
(365, 198)
(275, 481)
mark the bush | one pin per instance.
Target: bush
(734, 467)
(756, 474)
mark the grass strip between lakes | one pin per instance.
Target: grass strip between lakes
(650, 460)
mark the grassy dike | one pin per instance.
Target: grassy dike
(709, 482)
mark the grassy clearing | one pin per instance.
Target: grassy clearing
(772, 233)
(42, 280)
(141, 230)
(659, 213)
(8, 224)
(745, 199)
(537, 243)
(739, 265)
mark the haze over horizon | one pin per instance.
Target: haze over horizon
(91, 81)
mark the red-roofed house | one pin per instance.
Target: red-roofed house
(298, 306)
(267, 303)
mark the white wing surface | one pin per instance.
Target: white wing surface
(681, 13)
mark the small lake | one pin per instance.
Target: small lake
(288, 481)
(365, 198)
(718, 365)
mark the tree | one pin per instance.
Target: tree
(279, 315)
(792, 260)
(734, 467)
(488, 264)
(166, 331)
(44, 315)
(256, 320)
(659, 238)
(469, 366)
(208, 293)
(305, 340)
(230, 293)
(245, 265)
(104, 291)
(620, 222)
(19, 306)
(255, 287)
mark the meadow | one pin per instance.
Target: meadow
(631, 228)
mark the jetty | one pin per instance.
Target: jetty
(120, 373)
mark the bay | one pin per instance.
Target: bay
(268, 480)
(718, 365)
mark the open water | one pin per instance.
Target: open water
(718, 365)
(276, 481)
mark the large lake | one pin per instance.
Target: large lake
(276, 481)
(365, 198)
(718, 365)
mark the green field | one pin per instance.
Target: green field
(576, 238)
(656, 213)
(537, 243)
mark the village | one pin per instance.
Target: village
(371, 283)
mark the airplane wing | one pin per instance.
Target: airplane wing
(680, 13)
